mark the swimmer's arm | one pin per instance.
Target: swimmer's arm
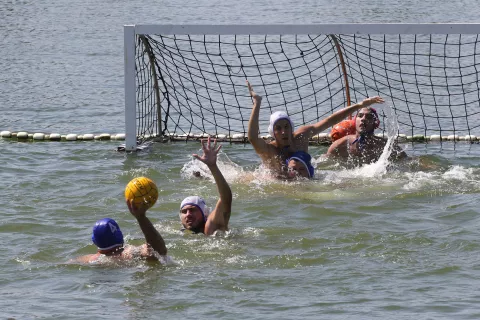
(147, 252)
(338, 149)
(260, 145)
(311, 130)
(220, 216)
(85, 259)
(152, 236)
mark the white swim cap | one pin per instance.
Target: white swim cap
(276, 116)
(197, 202)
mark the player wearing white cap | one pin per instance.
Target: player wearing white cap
(194, 213)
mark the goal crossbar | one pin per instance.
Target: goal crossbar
(290, 29)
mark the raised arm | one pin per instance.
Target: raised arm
(309, 131)
(220, 216)
(260, 146)
(152, 236)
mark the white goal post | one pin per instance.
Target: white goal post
(191, 76)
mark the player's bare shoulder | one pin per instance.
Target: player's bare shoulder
(339, 148)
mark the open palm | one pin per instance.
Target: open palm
(209, 156)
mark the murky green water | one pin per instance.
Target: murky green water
(351, 243)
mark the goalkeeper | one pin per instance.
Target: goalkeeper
(363, 147)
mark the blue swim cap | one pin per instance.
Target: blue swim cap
(305, 159)
(107, 234)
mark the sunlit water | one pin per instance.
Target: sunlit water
(381, 241)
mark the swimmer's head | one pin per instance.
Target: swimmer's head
(107, 235)
(366, 120)
(280, 127)
(342, 129)
(193, 212)
(299, 164)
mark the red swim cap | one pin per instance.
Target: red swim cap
(342, 129)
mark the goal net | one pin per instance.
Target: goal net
(190, 80)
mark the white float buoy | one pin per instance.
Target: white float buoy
(120, 136)
(71, 137)
(22, 135)
(88, 136)
(104, 136)
(5, 134)
(238, 136)
(55, 137)
(452, 137)
(435, 137)
(323, 137)
(38, 136)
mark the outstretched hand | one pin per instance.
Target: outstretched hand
(136, 211)
(254, 95)
(210, 152)
(369, 101)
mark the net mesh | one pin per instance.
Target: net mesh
(429, 82)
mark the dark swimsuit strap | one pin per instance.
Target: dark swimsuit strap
(284, 151)
(361, 141)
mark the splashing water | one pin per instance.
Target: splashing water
(379, 167)
(232, 172)
(197, 169)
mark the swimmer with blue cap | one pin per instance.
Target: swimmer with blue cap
(299, 165)
(108, 238)
(287, 140)
(194, 213)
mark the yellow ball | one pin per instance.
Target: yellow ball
(142, 191)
